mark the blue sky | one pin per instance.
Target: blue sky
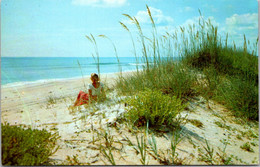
(57, 28)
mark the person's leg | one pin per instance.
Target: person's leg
(81, 99)
(72, 108)
(84, 99)
(78, 100)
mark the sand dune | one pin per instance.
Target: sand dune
(82, 130)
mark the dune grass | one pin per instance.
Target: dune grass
(161, 71)
(231, 73)
(169, 78)
(27, 147)
(154, 108)
(191, 61)
(206, 66)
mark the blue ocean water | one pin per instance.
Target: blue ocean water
(19, 70)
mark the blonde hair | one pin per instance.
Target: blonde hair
(94, 75)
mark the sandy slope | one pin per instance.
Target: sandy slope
(82, 131)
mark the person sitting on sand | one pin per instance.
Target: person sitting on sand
(95, 91)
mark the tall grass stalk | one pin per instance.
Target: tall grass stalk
(133, 43)
(82, 74)
(144, 50)
(92, 39)
(109, 156)
(108, 146)
(209, 155)
(155, 41)
(176, 138)
(114, 47)
(142, 38)
(152, 142)
(142, 146)
(225, 159)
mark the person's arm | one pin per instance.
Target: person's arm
(90, 95)
(90, 92)
(103, 93)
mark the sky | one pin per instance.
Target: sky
(58, 28)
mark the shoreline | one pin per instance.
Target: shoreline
(46, 81)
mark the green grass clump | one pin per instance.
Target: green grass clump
(208, 154)
(153, 107)
(239, 136)
(222, 125)
(247, 147)
(251, 134)
(26, 146)
(239, 95)
(196, 122)
(170, 78)
(72, 160)
(238, 63)
(51, 100)
(227, 61)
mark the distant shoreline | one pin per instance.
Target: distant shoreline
(27, 71)
(46, 81)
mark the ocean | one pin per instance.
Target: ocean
(24, 70)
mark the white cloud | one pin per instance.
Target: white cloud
(195, 20)
(212, 8)
(242, 22)
(157, 14)
(238, 25)
(188, 9)
(100, 3)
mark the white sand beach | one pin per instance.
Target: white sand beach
(45, 106)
